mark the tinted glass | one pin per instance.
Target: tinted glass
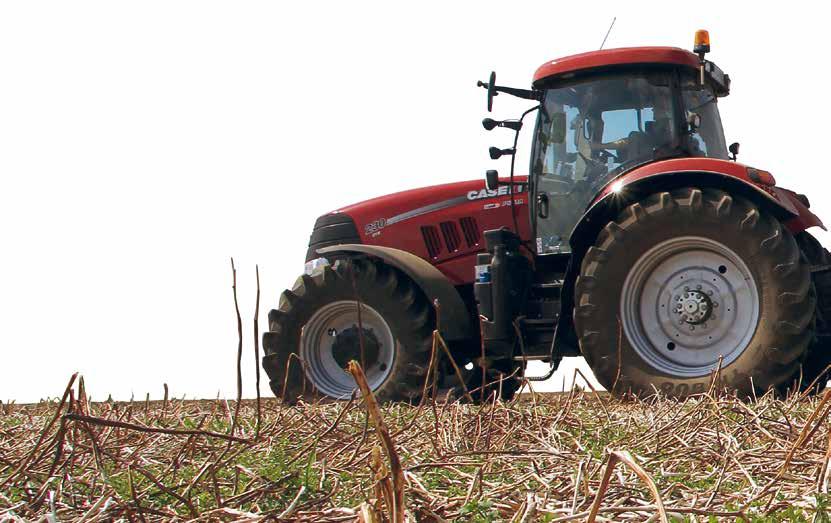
(591, 129)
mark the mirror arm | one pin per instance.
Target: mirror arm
(519, 93)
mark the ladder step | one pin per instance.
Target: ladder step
(555, 285)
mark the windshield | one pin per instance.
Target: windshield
(593, 129)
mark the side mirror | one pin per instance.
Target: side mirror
(491, 86)
(491, 90)
(491, 180)
(734, 150)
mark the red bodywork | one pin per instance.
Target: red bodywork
(622, 56)
(442, 224)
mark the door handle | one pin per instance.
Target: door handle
(542, 205)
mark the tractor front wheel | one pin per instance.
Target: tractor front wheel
(687, 282)
(358, 310)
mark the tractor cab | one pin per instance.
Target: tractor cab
(602, 114)
(593, 127)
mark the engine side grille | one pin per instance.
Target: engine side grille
(471, 231)
(431, 240)
(451, 236)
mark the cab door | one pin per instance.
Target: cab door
(554, 209)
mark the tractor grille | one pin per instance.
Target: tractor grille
(471, 231)
(332, 229)
(451, 236)
(431, 240)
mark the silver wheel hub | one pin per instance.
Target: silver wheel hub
(689, 303)
(694, 307)
(332, 337)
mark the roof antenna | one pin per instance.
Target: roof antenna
(607, 33)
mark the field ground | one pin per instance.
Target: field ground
(538, 458)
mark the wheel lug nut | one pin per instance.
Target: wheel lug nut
(698, 287)
(692, 328)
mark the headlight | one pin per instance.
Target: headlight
(311, 265)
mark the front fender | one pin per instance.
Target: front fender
(455, 321)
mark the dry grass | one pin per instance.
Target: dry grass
(566, 457)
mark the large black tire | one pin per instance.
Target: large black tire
(784, 324)
(814, 373)
(379, 287)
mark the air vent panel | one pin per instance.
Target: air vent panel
(470, 229)
(451, 236)
(431, 240)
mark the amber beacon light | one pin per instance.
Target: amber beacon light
(702, 42)
(701, 47)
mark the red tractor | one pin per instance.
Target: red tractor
(637, 241)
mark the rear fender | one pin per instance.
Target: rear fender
(734, 178)
(455, 321)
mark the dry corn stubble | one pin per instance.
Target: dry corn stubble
(545, 458)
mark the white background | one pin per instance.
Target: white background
(143, 144)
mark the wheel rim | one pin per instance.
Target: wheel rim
(687, 303)
(331, 331)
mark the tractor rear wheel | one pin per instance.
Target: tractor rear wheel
(688, 281)
(814, 373)
(317, 330)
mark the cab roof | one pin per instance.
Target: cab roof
(620, 56)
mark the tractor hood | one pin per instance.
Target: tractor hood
(372, 216)
(440, 223)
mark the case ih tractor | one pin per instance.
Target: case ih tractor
(636, 241)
